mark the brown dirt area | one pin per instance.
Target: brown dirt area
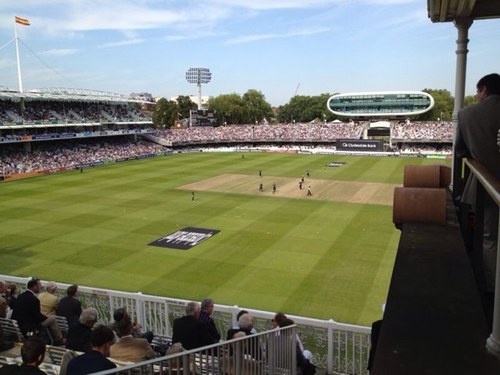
(330, 190)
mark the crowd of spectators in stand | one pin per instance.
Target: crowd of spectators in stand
(434, 131)
(425, 149)
(419, 130)
(70, 155)
(279, 132)
(61, 111)
(47, 157)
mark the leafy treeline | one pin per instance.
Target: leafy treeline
(252, 108)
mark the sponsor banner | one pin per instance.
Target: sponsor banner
(185, 238)
(277, 151)
(359, 145)
(433, 156)
(90, 164)
(20, 176)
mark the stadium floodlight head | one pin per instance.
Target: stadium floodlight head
(198, 76)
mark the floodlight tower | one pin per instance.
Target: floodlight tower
(198, 76)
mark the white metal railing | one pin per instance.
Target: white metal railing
(271, 352)
(488, 184)
(339, 348)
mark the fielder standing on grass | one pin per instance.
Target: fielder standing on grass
(192, 196)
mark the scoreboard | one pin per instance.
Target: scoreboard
(202, 117)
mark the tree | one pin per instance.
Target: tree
(443, 106)
(305, 109)
(469, 100)
(184, 105)
(230, 109)
(164, 113)
(257, 107)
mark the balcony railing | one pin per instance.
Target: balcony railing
(271, 352)
(339, 348)
(488, 190)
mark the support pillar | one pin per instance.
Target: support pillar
(462, 25)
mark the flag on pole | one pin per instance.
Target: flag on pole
(22, 21)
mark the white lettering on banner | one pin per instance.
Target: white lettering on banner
(185, 238)
(190, 237)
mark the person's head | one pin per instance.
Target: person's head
(207, 305)
(286, 323)
(101, 339)
(3, 287)
(241, 313)
(51, 287)
(120, 314)
(34, 284)
(88, 317)
(72, 290)
(125, 327)
(278, 317)
(245, 322)
(33, 351)
(11, 289)
(193, 309)
(488, 85)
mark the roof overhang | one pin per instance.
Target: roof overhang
(450, 10)
(69, 94)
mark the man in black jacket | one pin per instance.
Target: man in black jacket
(207, 309)
(189, 331)
(28, 315)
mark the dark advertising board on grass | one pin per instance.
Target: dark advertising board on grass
(185, 238)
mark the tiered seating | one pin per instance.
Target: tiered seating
(11, 329)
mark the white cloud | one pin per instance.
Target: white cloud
(59, 52)
(257, 37)
(120, 43)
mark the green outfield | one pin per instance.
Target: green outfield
(321, 257)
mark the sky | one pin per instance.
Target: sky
(279, 47)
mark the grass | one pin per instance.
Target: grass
(322, 259)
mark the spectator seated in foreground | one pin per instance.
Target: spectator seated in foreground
(32, 354)
(129, 348)
(245, 327)
(304, 365)
(70, 307)
(49, 299)
(78, 337)
(101, 339)
(29, 317)
(122, 314)
(4, 305)
(207, 309)
(189, 331)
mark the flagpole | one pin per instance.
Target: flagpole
(18, 60)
